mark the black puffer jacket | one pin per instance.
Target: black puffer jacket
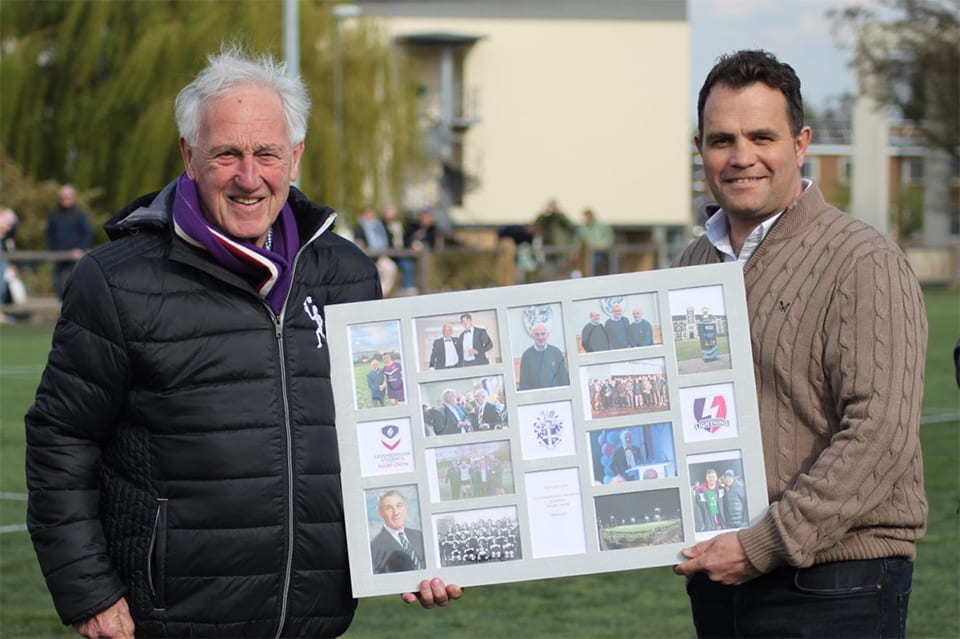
(181, 451)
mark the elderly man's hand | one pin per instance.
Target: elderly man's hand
(721, 557)
(113, 623)
(433, 592)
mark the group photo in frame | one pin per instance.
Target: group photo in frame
(464, 405)
(525, 466)
(718, 493)
(377, 358)
(633, 387)
(616, 322)
(468, 471)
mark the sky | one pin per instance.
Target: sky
(797, 31)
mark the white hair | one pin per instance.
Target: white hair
(233, 68)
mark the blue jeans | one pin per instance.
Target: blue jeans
(839, 599)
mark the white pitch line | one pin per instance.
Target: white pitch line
(14, 496)
(13, 528)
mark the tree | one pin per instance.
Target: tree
(913, 48)
(88, 91)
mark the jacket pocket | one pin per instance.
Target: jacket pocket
(157, 557)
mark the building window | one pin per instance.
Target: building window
(912, 171)
(845, 170)
(811, 169)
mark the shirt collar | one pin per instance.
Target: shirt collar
(718, 232)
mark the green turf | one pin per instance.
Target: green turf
(647, 603)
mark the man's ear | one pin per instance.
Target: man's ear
(186, 152)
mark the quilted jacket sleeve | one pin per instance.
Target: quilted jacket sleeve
(81, 393)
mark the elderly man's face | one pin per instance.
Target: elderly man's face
(594, 317)
(447, 330)
(617, 311)
(540, 335)
(243, 162)
(393, 510)
(637, 314)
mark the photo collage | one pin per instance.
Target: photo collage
(544, 430)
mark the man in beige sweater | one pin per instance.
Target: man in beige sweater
(839, 336)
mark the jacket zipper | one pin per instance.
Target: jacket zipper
(278, 322)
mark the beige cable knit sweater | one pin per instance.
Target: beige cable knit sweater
(839, 337)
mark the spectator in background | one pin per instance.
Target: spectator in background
(68, 229)
(596, 238)
(370, 233)
(8, 226)
(552, 229)
(397, 235)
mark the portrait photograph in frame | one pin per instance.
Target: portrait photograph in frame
(377, 356)
(538, 347)
(464, 405)
(633, 453)
(718, 493)
(633, 387)
(639, 519)
(457, 340)
(700, 329)
(394, 529)
(479, 536)
(620, 321)
(468, 471)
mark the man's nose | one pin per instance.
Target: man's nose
(247, 176)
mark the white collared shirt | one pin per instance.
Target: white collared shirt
(466, 340)
(718, 233)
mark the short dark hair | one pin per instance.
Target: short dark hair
(743, 68)
(466, 316)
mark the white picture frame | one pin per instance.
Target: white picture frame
(584, 470)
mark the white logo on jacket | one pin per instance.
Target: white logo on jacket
(314, 313)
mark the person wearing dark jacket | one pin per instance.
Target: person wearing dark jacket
(181, 458)
(68, 229)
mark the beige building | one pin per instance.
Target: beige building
(527, 100)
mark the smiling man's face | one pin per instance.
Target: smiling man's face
(243, 162)
(750, 157)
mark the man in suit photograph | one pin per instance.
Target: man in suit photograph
(474, 342)
(397, 547)
(487, 416)
(446, 350)
(626, 458)
(454, 419)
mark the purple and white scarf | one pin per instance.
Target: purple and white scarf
(268, 271)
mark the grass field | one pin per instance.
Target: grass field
(650, 603)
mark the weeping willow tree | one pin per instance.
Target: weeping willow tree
(87, 90)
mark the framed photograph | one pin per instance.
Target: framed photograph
(700, 329)
(619, 321)
(525, 447)
(458, 340)
(717, 494)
